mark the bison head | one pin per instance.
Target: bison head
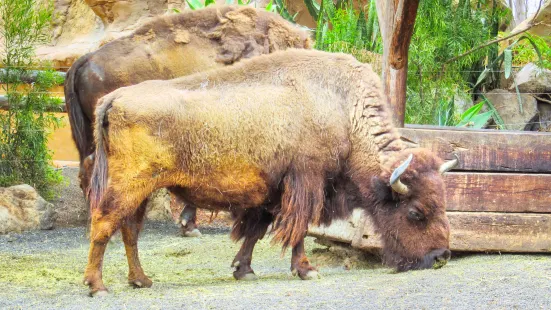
(411, 211)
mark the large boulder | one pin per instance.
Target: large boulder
(533, 79)
(71, 207)
(158, 207)
(22, 208)
(80, 27)
(508, 107)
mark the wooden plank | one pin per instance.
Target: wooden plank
(499, 232)
(498, 192)
(486, 150)
(483, 232)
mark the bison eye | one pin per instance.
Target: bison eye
(415, 215)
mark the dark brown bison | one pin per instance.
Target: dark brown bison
(168, 47)
(290, 139)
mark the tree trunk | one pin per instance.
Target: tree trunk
(396, 20)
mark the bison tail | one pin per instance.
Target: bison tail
(79, 123)
(98, 182)
(302, 203)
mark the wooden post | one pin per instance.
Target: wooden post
(396, 20)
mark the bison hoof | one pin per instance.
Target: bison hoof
(309, 275)
(141, 283)
(246, 277)
(100, 293)
(195, 233)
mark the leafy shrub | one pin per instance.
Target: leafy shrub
(443, 30)
(24, 156)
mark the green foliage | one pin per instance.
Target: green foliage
(471, 118)
(443, 30)
(277, 7)
(533, 49)
(24, 156)
(342, 29)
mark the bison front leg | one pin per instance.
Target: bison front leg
(301, 265)
(130, 229)
(252, 225)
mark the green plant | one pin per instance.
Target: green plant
(473, 119)
(532, 49)
(24, 156)
(277, 7)
(443, 30)
(340, 28)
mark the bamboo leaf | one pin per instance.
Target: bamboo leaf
(519, 98)
(313, 8)
(497, 118)
(508, 62)
(195, 4)
(482, 76)
(480, 120)
(269, 6)
(470, 113)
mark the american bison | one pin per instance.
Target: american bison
(168, 47)
(292, 138)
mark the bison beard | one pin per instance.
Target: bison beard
(288, 139)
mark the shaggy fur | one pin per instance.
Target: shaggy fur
(292, 138)
(168, 47)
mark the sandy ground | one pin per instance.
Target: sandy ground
(43, 270)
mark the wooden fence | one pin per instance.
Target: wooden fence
(498, 198)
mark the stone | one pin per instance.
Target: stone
(462, 102)
(533, 79)
(71, 207)
(22, 208)
(507, 106)
(158, 206)
(80, 27)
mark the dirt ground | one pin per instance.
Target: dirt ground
(44, 269)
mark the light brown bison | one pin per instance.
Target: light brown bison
(290, 139)
(168, 47)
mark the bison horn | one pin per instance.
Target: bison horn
(447, 166)
(395, 182)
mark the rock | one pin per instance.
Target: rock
(532, 79)
(507, 106)
(80, 27)
(71, 207)
(462, 102)
(22, 208)
(158, 206)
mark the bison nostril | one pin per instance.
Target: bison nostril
(443, 256)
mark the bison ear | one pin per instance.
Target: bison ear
(381, 190)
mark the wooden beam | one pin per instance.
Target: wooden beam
(486, 150)
(498, 192)
(483, 232)
(402, 31)
(396, 26)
